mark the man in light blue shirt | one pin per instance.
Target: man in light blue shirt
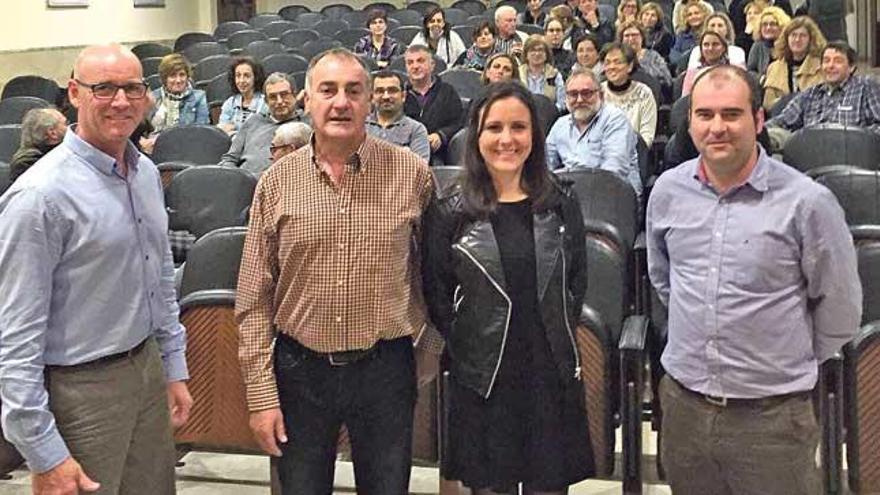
(593, 134)
(92, 355)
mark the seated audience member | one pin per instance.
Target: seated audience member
(633, 97)
(588, 21)
(842, 98)
(500, 67)
(554, 35)
(176, 102)
(657, 37)
(534, 13)
(679, 17)
(288, 137)
(713, 51)
(586, 53)
(693, 14)
(650, 61)
(246, 78)
(509, 40)
(593, 134)
(378, 45)
(744, 37)
(770, 25)
(627, 11)
(388, 121)
(720, 23)
(798, 63)
(431, 101)
(538, 73)
(250, 145)
(565, 15)
(438, 36)
(482, 48)
(41, 130)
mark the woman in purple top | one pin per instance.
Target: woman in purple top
(378, 45)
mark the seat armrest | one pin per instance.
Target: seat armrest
(632, 343)
(831, 392)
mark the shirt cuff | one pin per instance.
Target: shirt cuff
(46, 453)
(429, 340)
(262, 396)
(175, 367)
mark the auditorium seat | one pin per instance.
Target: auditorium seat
(455, 16)
(336, 10)
(312, 48)
(387, 7)
(260, 20)
(146, 50)
(862, 411)
(330, 27)
(466, 82)
(812, 148)
(858, 192)
(197, 52)
(260, 49)
(4, 185)
(31, 85)
(308, 20)
(291, 12)
(296, 38)
(239, 40)
(472, 7)
(224, 29)
(547, 112)
(405, 33)
(456, 147)
(12, 109)
(150, 65)
(445, 177)
(357, 18)
(407, 17)
(187, 39)
(287, 63)
(422, 6)
(349, 37)
(200, 144)
(209, 67)
(167, 170)
(217, 89)
(10, 139)
(201, 199)
(275, 29)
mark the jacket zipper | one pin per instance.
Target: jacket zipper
(507, 322)
(577, 361)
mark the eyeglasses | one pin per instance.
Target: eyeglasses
(275, 147)
(107, 91)
(769, 24)
(585, 94)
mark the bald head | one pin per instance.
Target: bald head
(97, 56)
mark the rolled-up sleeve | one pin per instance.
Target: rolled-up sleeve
(31, 241)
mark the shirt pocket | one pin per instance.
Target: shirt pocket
(765, 264)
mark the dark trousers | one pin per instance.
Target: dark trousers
(374, 397)
(765, 448)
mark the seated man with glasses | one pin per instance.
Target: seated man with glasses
(92, 353)
(387, 120)
(250, 146)
(288, 138)
(593, 134)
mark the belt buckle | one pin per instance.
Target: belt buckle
(334, 362)
(716, 401)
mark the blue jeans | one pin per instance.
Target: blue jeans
(374, 397)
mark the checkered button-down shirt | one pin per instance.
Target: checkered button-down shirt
(855, 103)
(332, 266)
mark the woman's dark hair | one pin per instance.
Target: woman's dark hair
(479, 28)
(479, 197)
(376, 14)
(586, 37)
(431, 13)
(256, 67)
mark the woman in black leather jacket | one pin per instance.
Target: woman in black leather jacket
(504, 277)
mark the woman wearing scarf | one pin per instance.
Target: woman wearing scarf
(176, 102)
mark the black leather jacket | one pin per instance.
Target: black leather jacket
(465, 288)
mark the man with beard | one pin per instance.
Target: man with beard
(250, 146)
(388, 121)
(593, 134)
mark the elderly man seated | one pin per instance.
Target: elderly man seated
(288, 138)
(41, 130)
(843, 98)
(250, 146)
(593, 134)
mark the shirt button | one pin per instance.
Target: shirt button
(139, 220)
(147, 257)
(338, 319)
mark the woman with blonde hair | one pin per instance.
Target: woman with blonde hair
(721, 24)
(657, 37)
(767, 28)
(751, 11)
(798, 60)
(694, 13)
(538, 72)
(627, 10)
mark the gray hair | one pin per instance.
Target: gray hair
(277, 77)
(296, 134)
(583, 72)
(36, 124)
(342, 53)
(504, 8)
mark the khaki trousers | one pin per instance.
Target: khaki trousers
(114, 419)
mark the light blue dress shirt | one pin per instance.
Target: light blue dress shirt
(608, 143)
(87, 273)
(761, 282)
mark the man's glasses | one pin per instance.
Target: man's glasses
(584, 94)
(107, 91)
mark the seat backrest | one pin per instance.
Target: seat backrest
(296, 38)
(199, 144)
(260, 20)
(472, 7)
(308, 20)
(607, 283)
(348, 37)
(455, 149)
(10, 139)
(407, 17)
(858, 192)
(275, 29)
(313, 48)
(423, 6)
(832, 144)
(869, 273)
(201, 199)
(12, 110)
(240, 39)
(218, 88)
(455, 16)
(862, 396)
(330, 27)
(291, 12)
(336, 10)
(547, 112)
(608, 204)
(145, 50)
(445, 177)
(260, 49)
(186, 39)
(197, 52)
(387, 7)
(679, 113)
(4, 177)
(597, 372)
(224, 29)
(153, 81)
(210, 67)
(466, 82)
(168, 170)
(37, 86)
(213, 261)
(285, 62)
(150, 65)
(356, 18)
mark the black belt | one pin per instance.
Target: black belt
(108, 359)
(341, 358)
(719, 401)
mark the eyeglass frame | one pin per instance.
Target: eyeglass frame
(116, 88)
(584, 94)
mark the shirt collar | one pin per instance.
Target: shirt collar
(355, 163)
(373, 119)
(758, 179)
(96, 158)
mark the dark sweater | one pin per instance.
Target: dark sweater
(440, 113)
